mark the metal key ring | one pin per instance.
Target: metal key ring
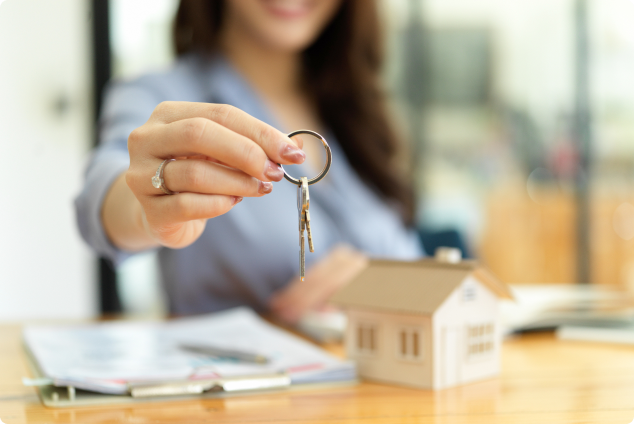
(323, 172)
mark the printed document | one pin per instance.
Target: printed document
(104, 357)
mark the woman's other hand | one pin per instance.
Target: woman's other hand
(323, 279)
(222, 155)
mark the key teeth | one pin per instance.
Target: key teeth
(310, 241)
(310, 234)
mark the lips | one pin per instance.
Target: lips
(288, 9)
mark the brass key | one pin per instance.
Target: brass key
(303, 200)
(310, 236)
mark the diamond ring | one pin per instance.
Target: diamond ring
(158, 181)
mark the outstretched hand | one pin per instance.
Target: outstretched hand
(223, 154)
(322, 280)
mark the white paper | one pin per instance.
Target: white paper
(106, 356)
(623, 335)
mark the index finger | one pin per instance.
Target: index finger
(275, 144)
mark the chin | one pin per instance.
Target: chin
(289, 41)
(289, 25)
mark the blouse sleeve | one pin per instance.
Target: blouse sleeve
(126, 107)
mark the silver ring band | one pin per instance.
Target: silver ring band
(323, 172)
(158, 181)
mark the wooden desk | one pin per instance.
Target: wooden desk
(543, 381)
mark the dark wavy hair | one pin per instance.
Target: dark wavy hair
(341, 73)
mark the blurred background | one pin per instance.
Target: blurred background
(519, 114)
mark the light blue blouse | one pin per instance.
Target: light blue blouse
(246, 255)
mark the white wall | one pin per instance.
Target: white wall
(45, 130)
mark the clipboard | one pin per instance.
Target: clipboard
(70, 397)
(57, 392)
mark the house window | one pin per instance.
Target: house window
(367, 338)
(409, 343)
(480, 340)
(468, 292)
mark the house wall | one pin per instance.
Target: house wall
(471, 306)
(386, 363)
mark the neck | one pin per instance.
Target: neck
(273, 73)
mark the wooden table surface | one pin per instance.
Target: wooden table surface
(544, 380)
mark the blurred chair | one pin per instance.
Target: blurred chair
(433, 239)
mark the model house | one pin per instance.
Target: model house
(430, 324)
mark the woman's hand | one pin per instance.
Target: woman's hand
(323, 279)
(222, 155)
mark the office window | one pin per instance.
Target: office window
(367, 338)
(480, 340)
(548, 185)
(409, 343)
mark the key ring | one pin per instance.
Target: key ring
(323, 172)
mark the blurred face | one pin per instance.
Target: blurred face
(289, 25)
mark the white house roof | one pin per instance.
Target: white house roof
(418, 287)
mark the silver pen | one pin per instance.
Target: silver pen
(225, 353)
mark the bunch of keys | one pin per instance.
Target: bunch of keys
(303, 199)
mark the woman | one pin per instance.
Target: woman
(281, 65)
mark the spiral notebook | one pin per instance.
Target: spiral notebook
(112, 358)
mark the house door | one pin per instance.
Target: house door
(451, 358)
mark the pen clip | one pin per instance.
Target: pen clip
(189, 387)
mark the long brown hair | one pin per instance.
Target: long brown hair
(342, 74)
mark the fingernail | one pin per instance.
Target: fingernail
(273, 171)
(293, 154)
(265, 187)
(236, 200)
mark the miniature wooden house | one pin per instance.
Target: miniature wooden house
(429, 324)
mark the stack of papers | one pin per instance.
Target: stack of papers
(550, 306)
(621, 335)
(106, 357)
